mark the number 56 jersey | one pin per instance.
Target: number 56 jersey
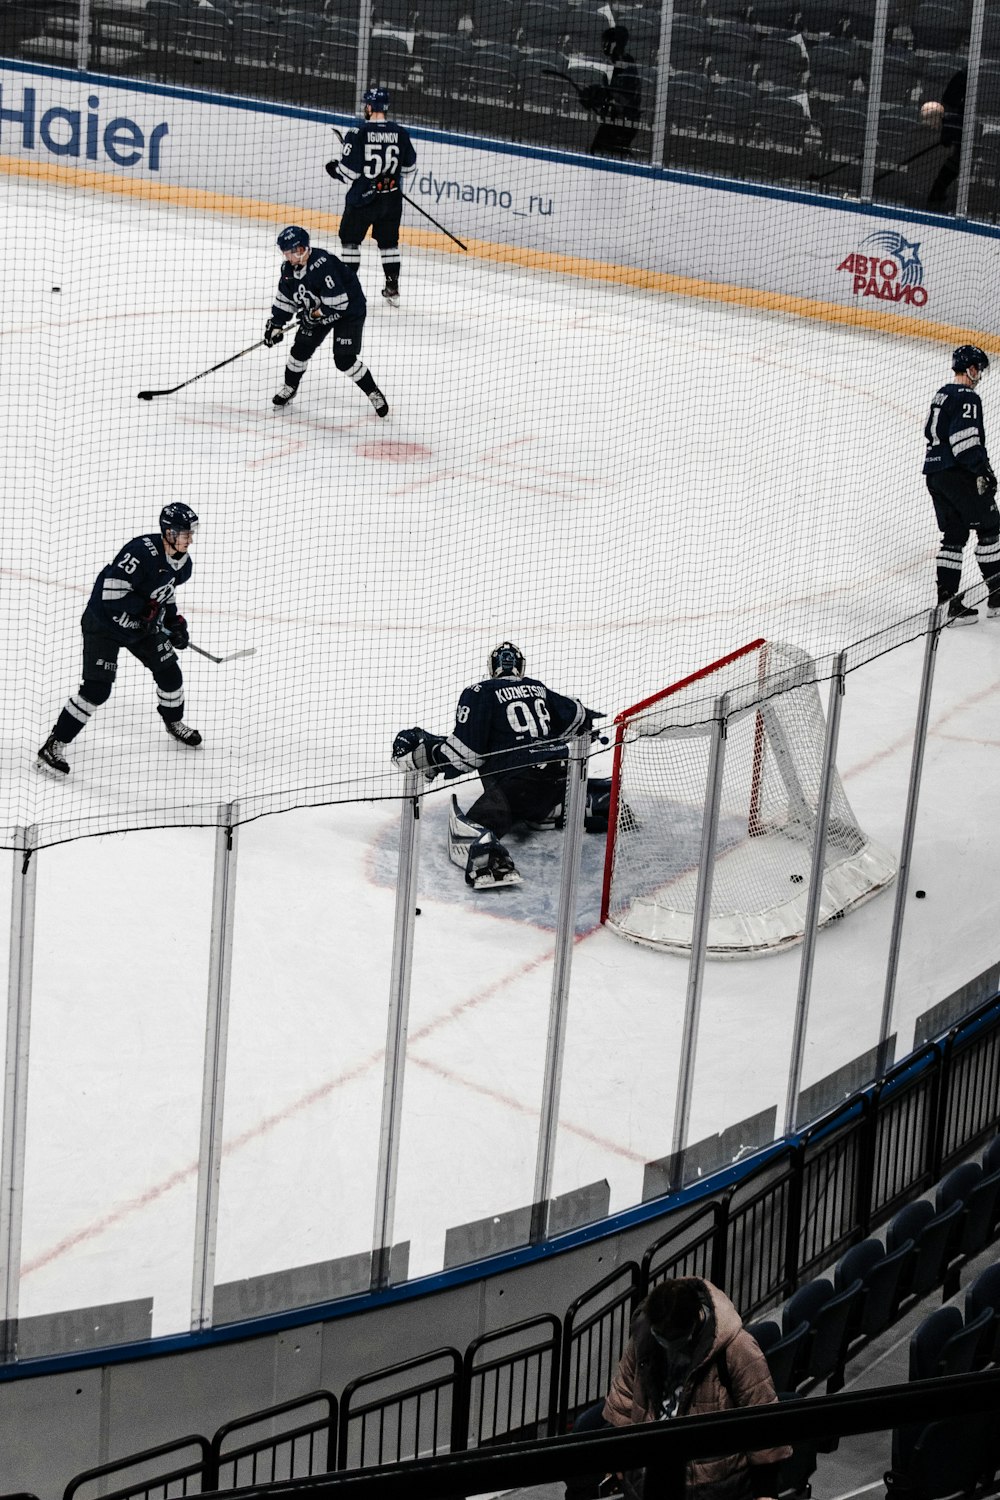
(377, 155)
(501, 723)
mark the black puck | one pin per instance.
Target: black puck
(920, 895)
(57, 288)
(417, 911)
(796, 879)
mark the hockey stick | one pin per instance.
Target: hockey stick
(406, 197)
(233, 655)
(148, 395)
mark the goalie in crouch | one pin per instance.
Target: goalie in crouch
(512, 730)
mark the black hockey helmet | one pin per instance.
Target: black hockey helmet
(293, 238)
(506, 660)
(177, 517)
(377, 99)
(967, 355)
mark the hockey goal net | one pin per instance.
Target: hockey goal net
(771, 785)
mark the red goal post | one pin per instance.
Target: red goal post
(768, 799)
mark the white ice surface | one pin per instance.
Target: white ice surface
(613, 479)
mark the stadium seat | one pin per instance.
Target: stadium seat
(780, 14)
(842, 124)
(781, 120)
(494, 20)
(941, 1458)
(447, 66)
(781, 61)
(389, 59)
(165, 24)
(584, 28)
(438, 17)
(991, 32)
(931, 1234)
(940, 28)
(900, 74)
(687, 101)
(900, 134)
(859, 19)
(821, 17)
(834, 67)
(255, 33)
(542, 24)
(991, 1156)
(785, 1354)
(828, 1348)
(732, 50)
(689, 44)
(982, 1293)
(731, 108)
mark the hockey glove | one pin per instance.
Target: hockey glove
(415, 750)
(178, 633)
(149, 613)
(594, 97)
(273, 333)
(333, 170)
(986, 483)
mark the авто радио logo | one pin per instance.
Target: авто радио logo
(891, 270)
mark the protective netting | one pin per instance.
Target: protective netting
(768, 699)
(581, 456)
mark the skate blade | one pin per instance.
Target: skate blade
(487, 882)
(51, 771)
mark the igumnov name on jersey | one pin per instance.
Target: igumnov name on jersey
(501, 723)
(956, 438)
(377, 156)
(323, 283)
(142, 574)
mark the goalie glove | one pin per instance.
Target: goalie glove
(273, 333)
(416, 750)
(986, 483)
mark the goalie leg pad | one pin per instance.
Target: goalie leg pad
(478, 852)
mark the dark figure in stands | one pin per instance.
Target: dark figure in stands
(619, 101)
(949, 113)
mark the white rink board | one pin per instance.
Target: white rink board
(729, 235)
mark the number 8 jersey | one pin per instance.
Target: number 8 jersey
(377, 155)
(501, 723)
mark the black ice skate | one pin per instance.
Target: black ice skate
(489, 865)
(285, 395)
(182, 733)
(379, 402)
(960, 613)
(51, 757)
(993, 606)
(391, 292)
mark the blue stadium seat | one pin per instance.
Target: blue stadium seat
(984, 1292)
(940, 27)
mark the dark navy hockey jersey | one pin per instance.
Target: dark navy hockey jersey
(503, 723)
(377, 156)
(323, 284)
(136, 592)
(954, 431)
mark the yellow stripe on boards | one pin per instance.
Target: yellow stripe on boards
(203, 200)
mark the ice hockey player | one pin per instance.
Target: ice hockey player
(962, 484)
(512, 730)
(377, 157)
(325, 296)
(132, 605)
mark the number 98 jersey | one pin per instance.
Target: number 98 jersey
(377, 155)
(501, 722)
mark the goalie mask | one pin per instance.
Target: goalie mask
(506, 661)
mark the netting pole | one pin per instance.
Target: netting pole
(364, 51)
(15, 1092)
(657, 149)
(935, 624)
(699, 932)
(971, 108)
(396, 1030)
(881, 26)
(83, 36)
(827, 775)
(213, 1087)
(569, 881)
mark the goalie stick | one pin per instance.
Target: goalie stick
(233, 655)
(412, 204)
(148, 395)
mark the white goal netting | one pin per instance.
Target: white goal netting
(771, 787)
